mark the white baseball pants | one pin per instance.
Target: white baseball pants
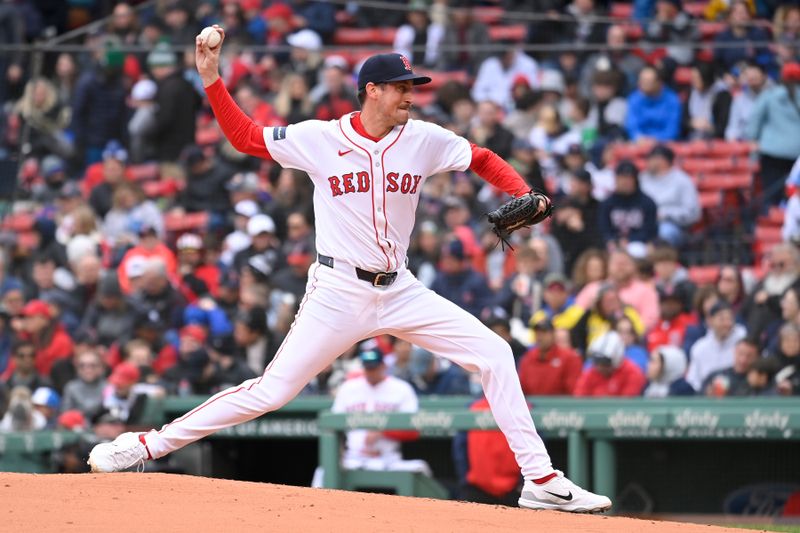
(339, 310)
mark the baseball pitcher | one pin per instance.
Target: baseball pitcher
(368, 169)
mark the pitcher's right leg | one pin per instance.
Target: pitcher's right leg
(331, 318)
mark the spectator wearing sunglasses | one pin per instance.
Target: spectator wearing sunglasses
(763, 305)
(85, 392)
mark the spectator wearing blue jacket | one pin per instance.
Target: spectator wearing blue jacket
(459, 283)
(628, 215)
(775, 125)
(654, 111)
(206, 313)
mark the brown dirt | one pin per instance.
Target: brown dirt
(161, 502)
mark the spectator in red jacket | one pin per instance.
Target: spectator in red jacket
(333, 98)
(197, 278)
(611, 374)
(256, 107)
(547, 368)
(48, 335)
(671, 328)
(149, 246)
(487, 469)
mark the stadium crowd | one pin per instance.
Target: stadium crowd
(143, 256)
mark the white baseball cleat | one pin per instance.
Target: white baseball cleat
(126, 451)
(561, 494)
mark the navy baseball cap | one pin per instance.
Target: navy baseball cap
(382, 68)
(371, 358)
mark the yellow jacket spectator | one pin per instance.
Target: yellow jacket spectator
(558, 305)
(718, 9)
(601, 318)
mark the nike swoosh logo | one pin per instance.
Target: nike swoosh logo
(345, 152)
(568, 497)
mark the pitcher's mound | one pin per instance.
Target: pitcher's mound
(160, 502)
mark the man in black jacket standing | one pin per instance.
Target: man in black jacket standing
(176, 101)
(575, 222)
(207, 178)
(628, 215)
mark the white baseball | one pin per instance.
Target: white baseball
(211, 37)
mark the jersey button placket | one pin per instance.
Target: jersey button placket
(380, 216)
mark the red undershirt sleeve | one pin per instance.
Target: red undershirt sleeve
(244, 134)
(493, 169)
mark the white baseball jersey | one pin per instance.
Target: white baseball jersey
(366, 193)
(390, 395)
(365, 199)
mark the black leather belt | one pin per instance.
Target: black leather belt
(377, 279)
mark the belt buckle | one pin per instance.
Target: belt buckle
(384, 279)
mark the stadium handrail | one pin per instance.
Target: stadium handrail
(582, 421)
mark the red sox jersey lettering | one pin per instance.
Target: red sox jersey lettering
(405, 184)
(365, 200)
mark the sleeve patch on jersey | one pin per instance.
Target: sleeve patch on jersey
(278, 134)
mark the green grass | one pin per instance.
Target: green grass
(785, 529)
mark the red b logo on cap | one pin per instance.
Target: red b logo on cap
(406, 63)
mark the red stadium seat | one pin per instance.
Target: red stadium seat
(709, 30)
(633, 32)
(695, 9)
(619, 10)
(19, 222)
(724, 182)
(632, 150)
(343, 18)
(488, 15)
(440, 78)
(356, 55)
(364, 36)
(768, 235)
(775, 216)
(703, 275)
(689, 149)
(746, 164)
(424, 98)
(144, 172)
(207, 135)
(764, 238)
(160, 189)
(709, 199)
(517, 32)
(624, 151)
(28, 241)
(694, 165)
(718, 148)
(706, 55)
(186, 222)
(683, 75)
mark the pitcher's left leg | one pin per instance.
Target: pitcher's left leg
(424, 318)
